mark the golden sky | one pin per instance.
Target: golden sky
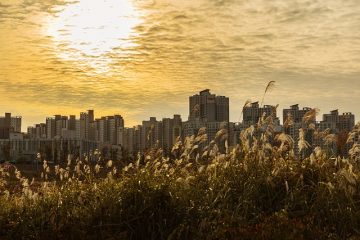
(143, 58)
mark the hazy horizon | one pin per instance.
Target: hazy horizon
(159, 118)
(145, 58)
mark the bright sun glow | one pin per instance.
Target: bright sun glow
(87, 30)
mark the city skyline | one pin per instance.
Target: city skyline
(41, 119)
(208, 113)
(189, 115)
(57, 57)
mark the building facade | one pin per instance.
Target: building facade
(208, 107)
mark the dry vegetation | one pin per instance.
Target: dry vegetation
(258, 190)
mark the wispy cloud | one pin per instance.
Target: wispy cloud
(179, 47)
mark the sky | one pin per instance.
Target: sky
(142, 58)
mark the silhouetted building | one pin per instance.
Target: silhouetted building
(50, 128)
(126, 139)
(37, 132)
(171, 129)
(209, 111)
(252, 113)
(61, 122)
(72, 122)
(338, 123)
(293, 121)
(9, 125)
(86, 119)
(295, 112)
(106, 129)
(114, 122)
(209, 107)
(151, 134)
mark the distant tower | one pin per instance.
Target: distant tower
(86, 120)
(338, 123)
(208, 107)
(254, 112)
(295, 112)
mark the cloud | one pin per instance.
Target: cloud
(312, 48)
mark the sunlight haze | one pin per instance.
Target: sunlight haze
(144, 58)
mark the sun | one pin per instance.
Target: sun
(86, 31)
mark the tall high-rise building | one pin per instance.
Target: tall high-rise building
(111, 130)
(171, 129)
(222, 109)
(329, 120)
(9, 124)
(61, 123)
(339, 125)
(102, 130)
(15, 124)
(337, 122)
(113, 123)
(90, 114)
(151, 133)
(41, 130)
(346, 122)
(295, 113)
(77, 129)
(7, 120)
(72, 122)
(252, 113)
(293, 122)
(209, 107)
(209, 111)
(126, 139)
(105, 129)
(86, 118)
(92, 130)
(55, 126)
(5, 126)
(137, 138)
(50, 128)
(37, 132)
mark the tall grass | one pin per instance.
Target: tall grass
(258, 189)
